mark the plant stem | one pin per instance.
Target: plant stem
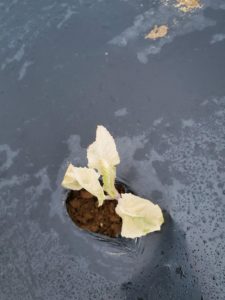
(107, 197)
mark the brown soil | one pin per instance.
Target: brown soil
(83, 209)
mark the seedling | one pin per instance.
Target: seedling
(139, 216)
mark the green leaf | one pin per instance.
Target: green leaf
(139, 216)
(78, 178)
(103, 156)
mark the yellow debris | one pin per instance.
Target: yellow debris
(188, 5)
(157, 32)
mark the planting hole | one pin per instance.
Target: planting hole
(84, 211)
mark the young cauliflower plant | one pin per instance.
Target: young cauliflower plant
(139, 216)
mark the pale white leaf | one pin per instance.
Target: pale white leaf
(103, 156)
(77, 178)
(69, 180)
(139, 216)
(103, 149)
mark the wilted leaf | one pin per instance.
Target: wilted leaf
(69, 180)
(139, 216)
(104, 148)
(77, 178)
(103, 156)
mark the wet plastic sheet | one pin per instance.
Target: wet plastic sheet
(66, 67)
